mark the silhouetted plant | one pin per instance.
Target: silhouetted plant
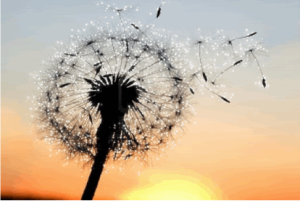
(113, 92)
(121, 90)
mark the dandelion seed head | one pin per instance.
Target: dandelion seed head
(134, 79)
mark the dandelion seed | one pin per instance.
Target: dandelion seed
(204, 76)
(252, 34)
(64, 85)
(158, 11)
(136, 27)
(249, 55)
(226, 100)
(71, 55)
(264, 82)
(236, 63)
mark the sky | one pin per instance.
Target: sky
(248, 149)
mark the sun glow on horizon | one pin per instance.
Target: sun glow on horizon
(175, 190)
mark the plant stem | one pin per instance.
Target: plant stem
(100, 158)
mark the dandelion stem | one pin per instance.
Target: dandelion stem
(103, 132)
(258, 64)
(201, 65)
(223, 71)
(223, 98)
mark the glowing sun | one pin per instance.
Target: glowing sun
(175, 190)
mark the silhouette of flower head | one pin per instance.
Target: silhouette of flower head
(130, 79)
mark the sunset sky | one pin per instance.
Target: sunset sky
(248, 149)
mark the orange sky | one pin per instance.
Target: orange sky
(248, 149)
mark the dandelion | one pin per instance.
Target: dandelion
(121, 91)
(116, 92)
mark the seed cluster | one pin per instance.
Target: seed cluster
(131, 76)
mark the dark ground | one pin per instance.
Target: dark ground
(27, 197)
